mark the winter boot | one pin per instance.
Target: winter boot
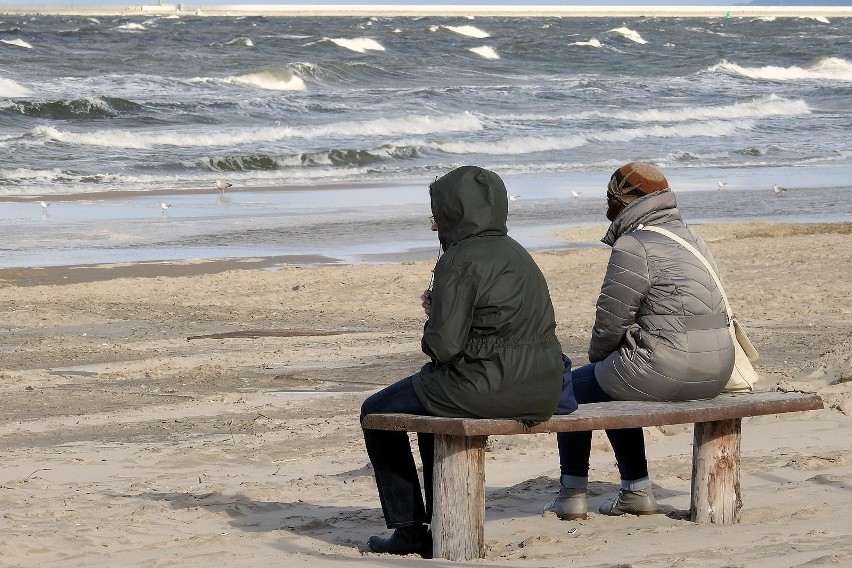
(415, 539)
(639, 502)
(570, 504)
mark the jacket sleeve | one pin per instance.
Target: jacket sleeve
(448, 328)
(625, 285)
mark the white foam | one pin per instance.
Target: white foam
(401, 126)
(361, 44)
(131, 26)
(767, 106)
(629, 34)
(772, 105)
(821, 19)
(19, 42)
(469, 31)
(9, 88)
(531, 144)
(821, 68)
(485, 51)
(591, 43)
(244, 41)
(283, 80)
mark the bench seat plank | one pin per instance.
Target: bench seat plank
(608, 415)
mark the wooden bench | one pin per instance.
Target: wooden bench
(458, 519)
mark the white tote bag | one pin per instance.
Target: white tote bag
(743, 376)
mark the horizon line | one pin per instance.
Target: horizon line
(442, 10)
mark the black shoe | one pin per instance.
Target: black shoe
(405, 540)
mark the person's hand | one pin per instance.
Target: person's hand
(426, 299)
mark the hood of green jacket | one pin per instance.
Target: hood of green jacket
(467, 202)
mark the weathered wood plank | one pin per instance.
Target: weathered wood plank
(600, 416)
(716, 472)
(458, 518)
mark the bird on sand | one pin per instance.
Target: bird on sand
(778, 190)
(575, 194)
(222, 185)
(164, 207)
(44, 205)
(722, 185)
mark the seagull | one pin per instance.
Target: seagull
(514, 197)
(164, 207)
(575, 194)
(44, 205)
(222, 185)
(778, 190)
(722, 185)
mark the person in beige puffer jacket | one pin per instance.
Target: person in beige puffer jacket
(660, 334)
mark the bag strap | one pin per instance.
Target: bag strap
(700, 257)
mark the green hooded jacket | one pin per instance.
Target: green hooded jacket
(491, 333)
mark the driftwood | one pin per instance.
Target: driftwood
(255, 333)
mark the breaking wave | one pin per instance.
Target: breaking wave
(361, 45)
(821, 69)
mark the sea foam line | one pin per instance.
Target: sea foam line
(485, 51)
(361, 44)
(411, 125)
(821, 68)
(532, 144)
(10, 88)
(629, 34)
(469, 31)
(19, 42)
(772, 105)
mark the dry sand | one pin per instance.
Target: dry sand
(145, 421)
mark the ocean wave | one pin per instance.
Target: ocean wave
(131, 27)
(772, 105)
(409, 125)
(10, 89)
(19, 42)
(532, 144)
(338, 157)
(14, 176)
(271, 79)
(629, 34)
(591, 43)
(243, 41)
(821, 68)
(361, 44)
(101, 107)
(485, 51)
(469, 31)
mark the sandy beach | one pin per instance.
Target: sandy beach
(207, 413)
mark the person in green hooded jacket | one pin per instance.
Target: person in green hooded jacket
(492, 343)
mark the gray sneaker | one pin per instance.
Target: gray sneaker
(570, 505)
(640, 502)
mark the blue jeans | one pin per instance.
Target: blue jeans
(392, 459)
(575, 447)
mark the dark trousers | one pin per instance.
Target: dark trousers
(575, 447)
(392, 459)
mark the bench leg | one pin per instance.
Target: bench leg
(716, 472)
(458, 512)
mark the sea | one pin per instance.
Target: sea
(331, 128)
